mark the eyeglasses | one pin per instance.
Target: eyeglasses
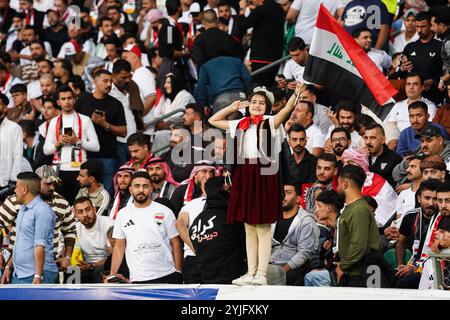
(339, 139)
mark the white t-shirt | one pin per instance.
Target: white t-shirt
(193, 209)
(147, 232)
(400, 42)
(292, 70)
(307, 16)
(400, 115)
(315, 138)
(129, 117)
(406, 201)
(93, 242)
(250, 143)
(146, 82)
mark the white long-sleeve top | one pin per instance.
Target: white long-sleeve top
(11, 151)
(89, 139)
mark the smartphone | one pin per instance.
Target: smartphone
(68, 131)
(100, 112)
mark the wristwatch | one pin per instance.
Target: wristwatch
(108, 127)
(36, 276)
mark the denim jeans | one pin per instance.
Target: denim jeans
(50, 277)
(108, 168)
(123, 155)
(223, 100)
(318, 278)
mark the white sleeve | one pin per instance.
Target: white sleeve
(387, 61)
(431, 110)
(50, 140)
(319, 140)
(17, 153)
(232, 126)
(146, 83)
(169, 222)
(297, 4)
(105, 203)
(89, 140)
(118, 230)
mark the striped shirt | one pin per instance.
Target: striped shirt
(100, 198)
(65, 220)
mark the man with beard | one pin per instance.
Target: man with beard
(162, 181)
(426, 137)
(56, 33)
(127, 92)
(424, 57)
(180, 142)
(92, 239)
(109, 121)
(300, 164)
(65, 220)
(413, 231)
(193, 187)
(295, 238)
(106, 33)
(90, 187)
(122, 181)
(139, 147)
(382, 160)
(363, 37)
(358, 236)
(38, 52)
(145, 232)
(326, 171)
(233, 22)
(340, 141)
(433, 167)
(30, 34)
(6, 82)
(63, 72)
(346, 112)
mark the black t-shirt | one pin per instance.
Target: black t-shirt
(178, 195)
(407, 229)
(87, 104)
(56, 39)
(282, 228)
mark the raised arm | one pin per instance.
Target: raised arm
(218, 119)
(284, 113)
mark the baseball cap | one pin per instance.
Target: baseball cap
(47, 173)
(154, 15)
(410, 11)
(429, 132)
(133, 48)
(194, 8)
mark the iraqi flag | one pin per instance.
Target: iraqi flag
(338, 63)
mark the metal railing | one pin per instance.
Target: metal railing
(165, 116)
(441, 266)
(269, 66)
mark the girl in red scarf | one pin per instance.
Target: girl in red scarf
(256, 191)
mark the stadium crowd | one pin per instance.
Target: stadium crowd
(155, 142)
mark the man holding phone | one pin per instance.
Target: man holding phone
(108, 117)
(69, 136)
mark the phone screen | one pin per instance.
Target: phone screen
(68, 131)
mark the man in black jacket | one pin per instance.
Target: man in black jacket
(300, 165)
(213, 42)
(424, 57)
(267, 21)
(382, 160)
(170, 44)
(219, 246)
(7, 13)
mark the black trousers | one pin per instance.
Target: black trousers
(409, 281)
(191, 273)
(69, 185)
(173, 278)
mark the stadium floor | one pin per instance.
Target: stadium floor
(208, 292)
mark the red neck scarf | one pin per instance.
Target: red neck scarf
(245, 123)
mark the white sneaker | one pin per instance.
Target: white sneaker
(259, 280)
(246, 279)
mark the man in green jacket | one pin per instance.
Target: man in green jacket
(357, 231)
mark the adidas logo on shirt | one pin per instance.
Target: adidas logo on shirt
(129, 223)
(413, 54)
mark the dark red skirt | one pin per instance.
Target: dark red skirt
(255, 198)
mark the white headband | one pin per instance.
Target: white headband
(268, 94)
